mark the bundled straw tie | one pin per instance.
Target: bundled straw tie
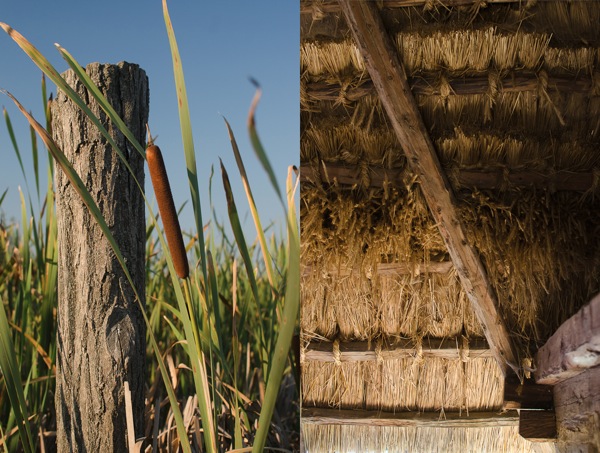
(505, 184)
(543, 94)
(464, 349)
(317, 13)
(595, 91)
(378, 349)
(342, 97)
(595, 187)
(494, 86)
(596, 183)
(365, 177)
(530, 4)
(419, 350)
(303, 348)
(337, 355)
(527, 365)
(444, 87)
(430, 5)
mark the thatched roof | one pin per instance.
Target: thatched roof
(509, 96)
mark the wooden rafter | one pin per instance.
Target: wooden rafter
(390, 269)
(389, 79)
(363, 351)
(331, 6)
(329, 416)
(493, 179)
(428, 86)
(537, 426)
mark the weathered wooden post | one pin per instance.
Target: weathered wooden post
(101, 332)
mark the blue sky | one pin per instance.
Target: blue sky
(221, 44)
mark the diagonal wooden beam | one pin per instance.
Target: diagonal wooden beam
(389, 79)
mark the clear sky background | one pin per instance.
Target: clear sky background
(221, 44)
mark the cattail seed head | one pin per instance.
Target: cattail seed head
(166, 207)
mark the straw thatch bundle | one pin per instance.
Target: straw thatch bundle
(411, 384)
(356, 307)
(347, 439)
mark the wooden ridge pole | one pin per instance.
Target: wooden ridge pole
(101, 332)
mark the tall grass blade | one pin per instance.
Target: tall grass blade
(186, 135)
(14, 386)
(243, 248)
(34, 154)
(3, 440)
(212, 279)
(79, 186)
(257, 145)
(235, 348)
(257, 223)
(198, 363)
(11, 134)
(291, 310)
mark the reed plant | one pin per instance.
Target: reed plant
(219, 336)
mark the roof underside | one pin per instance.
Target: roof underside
(509, 96)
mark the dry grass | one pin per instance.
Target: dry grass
(453, 51)
(485, 150)
(346, 439)
(551, 265)
(352, 144)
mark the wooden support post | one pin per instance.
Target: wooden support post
(101, 331)
(537, 426)
(526, 395)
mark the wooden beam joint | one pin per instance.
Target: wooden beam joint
(526, 395)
